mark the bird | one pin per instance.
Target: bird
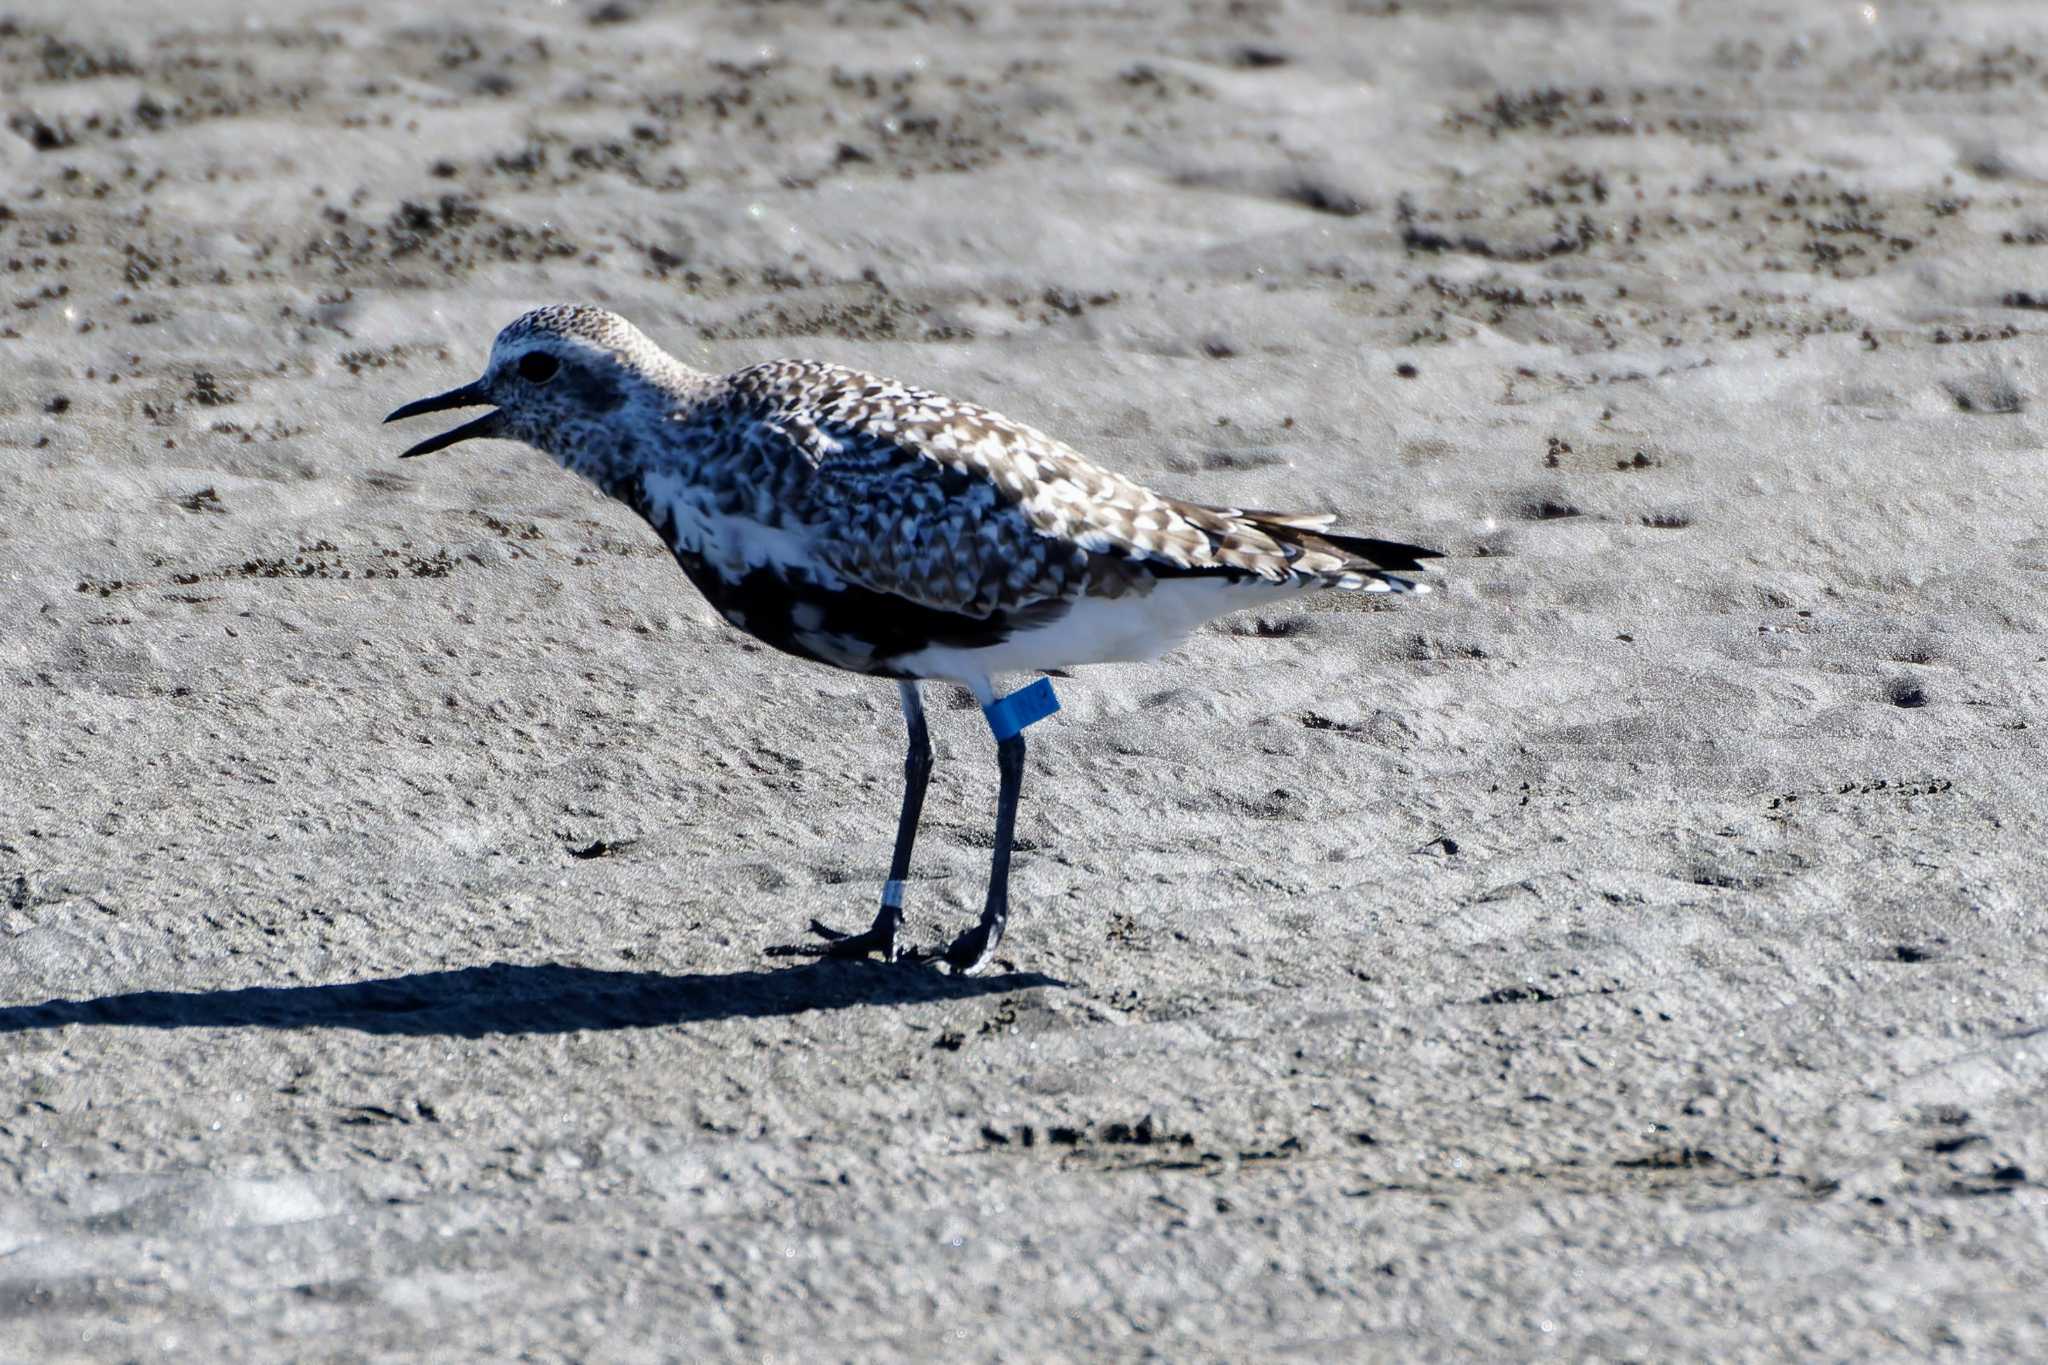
(887, 530)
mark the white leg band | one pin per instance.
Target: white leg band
(892, 894)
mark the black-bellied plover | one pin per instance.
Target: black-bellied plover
(887, 530)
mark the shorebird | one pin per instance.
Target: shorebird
(887, 530)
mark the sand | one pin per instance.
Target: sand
(1633, 949)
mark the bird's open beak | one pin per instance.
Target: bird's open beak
(468, 396)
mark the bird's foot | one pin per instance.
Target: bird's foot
(879, 939)
(968, 953)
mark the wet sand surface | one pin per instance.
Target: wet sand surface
(1633, 949)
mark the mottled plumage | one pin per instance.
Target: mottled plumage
(886, 529)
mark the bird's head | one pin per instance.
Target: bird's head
(556, 375)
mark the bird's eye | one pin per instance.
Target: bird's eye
(538, 367)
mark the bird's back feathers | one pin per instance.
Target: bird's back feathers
(952, 506)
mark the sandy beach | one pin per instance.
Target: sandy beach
(1633, 949)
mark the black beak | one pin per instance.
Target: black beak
(468, 396)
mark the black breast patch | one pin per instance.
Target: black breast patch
(847, 627)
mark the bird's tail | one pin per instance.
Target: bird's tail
(1355, 563)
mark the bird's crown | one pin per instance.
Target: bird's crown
(583, 325)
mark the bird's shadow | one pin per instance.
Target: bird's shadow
(504, 998)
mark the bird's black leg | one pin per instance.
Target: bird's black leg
(880, 937)
(972, 950)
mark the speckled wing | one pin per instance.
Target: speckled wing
(886, 516)
(959, 508)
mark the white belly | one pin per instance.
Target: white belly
(1097, 630)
